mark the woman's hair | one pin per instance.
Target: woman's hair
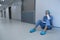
(48, 12)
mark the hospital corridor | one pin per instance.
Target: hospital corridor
(29, 20)
(16, 30)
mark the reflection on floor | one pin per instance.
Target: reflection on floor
(16, 30)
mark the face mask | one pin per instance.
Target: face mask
(48, 17)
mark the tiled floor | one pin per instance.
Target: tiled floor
(16, 30)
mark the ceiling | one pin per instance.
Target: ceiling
(6, 3)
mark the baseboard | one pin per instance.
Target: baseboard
(56, 27)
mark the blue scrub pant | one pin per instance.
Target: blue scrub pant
(39, 22)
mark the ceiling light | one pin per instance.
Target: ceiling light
(2, 0)
(0, 4)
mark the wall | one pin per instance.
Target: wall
(16, 10)
(52, 5)
(3, 13)
(7, 13)
(0, 13)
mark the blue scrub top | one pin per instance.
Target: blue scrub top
(50, 22)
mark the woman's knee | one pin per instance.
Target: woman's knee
(39, 21)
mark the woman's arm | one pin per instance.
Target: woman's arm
(52, 21)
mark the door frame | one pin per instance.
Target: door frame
(22, 8)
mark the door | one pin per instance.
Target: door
(10, 13)
(28, 11)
